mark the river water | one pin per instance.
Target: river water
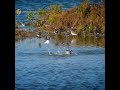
(36, 69)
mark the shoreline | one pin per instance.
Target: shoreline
(20, 35)
(83, 20)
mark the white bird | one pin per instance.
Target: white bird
(67, 52)
(47, 41)
(73, 33)
(23, 24)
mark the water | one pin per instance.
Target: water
(36, 69)
(45, 67)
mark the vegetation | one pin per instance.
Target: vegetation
(30, 15)
(84, 17)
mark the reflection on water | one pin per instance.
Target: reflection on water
(82, 70)
(63, 43)
(78, 41)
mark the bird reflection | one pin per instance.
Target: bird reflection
(47, 42)
(73, 41)
(67, 50)
(39, 44)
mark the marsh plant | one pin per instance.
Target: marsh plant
(84, 18)
(30, 15)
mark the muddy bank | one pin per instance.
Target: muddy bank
(21, 34)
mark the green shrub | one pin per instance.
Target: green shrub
(55, 9)
(30, 15)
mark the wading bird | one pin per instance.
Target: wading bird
(68, 52)
(39, 34)
(47, 40)
(73, 33)
(23, 24)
